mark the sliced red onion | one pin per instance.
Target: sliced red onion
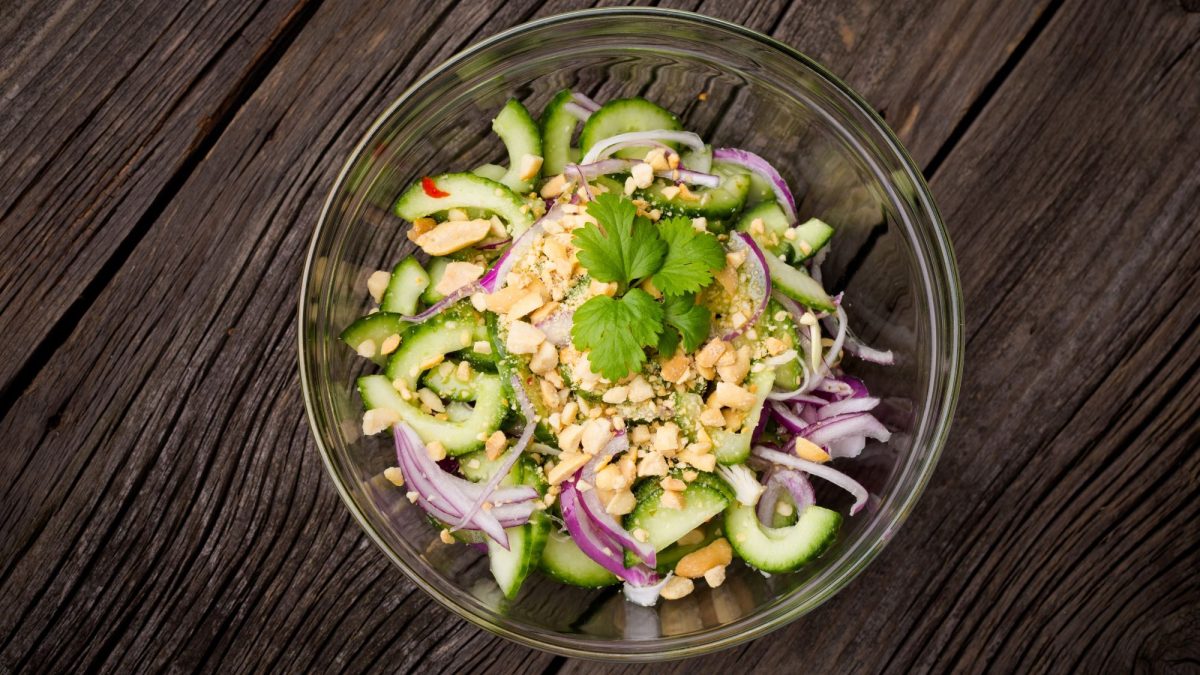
(601, 519)
(847, 448)
(808, 414)
(585, 102)
(510, 457)
(856, 347)
(594, 544)
(828, 473)
(796, 485)
(814, 264)
(780, 359)
(843, 387)
(443, 304)
(759, 274)
(606, 146)
(580, 113)
(647, 595)
(430, 484)
(708, 180)
(845, 426)
(849, 405)
(789, 420)
(762, 167)
(605, 167)
(558, 328)
(602, 167)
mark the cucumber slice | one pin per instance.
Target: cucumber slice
(511, 365)
(663, 525)
(760, 190)
(457, 437)
(375, 327)
(437, 268)
(789, 375)
(611, 185)
(443, 380)
(624, 115)
(454, 330)
(781, 549)
(409, 280)
(464, 191)
(558, 126)
(734, 447)
(564, 561)
(525, 544)
(797, 285)
(490, 171)
(671, 555)
(774, 224)
(719, 203)
(810, 236)
(515, 126)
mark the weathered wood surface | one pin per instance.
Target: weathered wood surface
(164, 505)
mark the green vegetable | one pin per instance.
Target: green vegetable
(692, 256)
(617, 330)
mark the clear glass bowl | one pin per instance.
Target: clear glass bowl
(890, 255)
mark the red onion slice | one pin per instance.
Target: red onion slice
(580, 113)
(796, 485)
(496, 277)
(847, 448)
(600, 518)
(760, 275)
(762, 167)
(845, 426)
(605, 167)
(828, 473)
(607, 553)
(787, 419)
(856, 347)
(849, 405)
(495, 244)
(606, 146)
(558, 328)
(584, 101)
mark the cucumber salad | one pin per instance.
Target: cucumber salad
(612, 360)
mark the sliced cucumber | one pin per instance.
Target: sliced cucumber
(671, 555)
(624, 115)
(788, 376)
(437, 268)
(443, 380)
(463, 191)
(563, 560)
(511, 365)
(457, 437)
(490, 171)
(797, 285)
(719, 203)
(515, 126)
(780, 549)
(451, 331)
(525, 544)
(558, 126)
(774, 225)
(375, 327)
(734, 447)
(409, 280)
(760, 190)
(664, 525)
(810, 236)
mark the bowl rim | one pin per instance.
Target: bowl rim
(678, 646)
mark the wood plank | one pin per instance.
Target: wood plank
(106, 108)
(1060, 532)
(191, 519)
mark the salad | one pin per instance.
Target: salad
(613, 360)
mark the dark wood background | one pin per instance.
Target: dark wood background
(163, 505)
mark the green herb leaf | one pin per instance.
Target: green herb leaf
(621, 246)
(616, 331)
(692, 257)
(690, 320)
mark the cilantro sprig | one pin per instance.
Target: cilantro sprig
(624, 248)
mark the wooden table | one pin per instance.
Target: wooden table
(161, 170)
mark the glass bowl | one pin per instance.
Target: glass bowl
(736, 88)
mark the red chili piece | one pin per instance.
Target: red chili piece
(431, 188)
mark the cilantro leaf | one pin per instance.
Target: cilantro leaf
(684, 319)
(691, 258)
(620, 246)
(616, 331)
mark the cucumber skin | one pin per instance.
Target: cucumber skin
(458, 438)
(408, 282)
(533, 539)
(556, 145)
(648, 511)
(563, 561)
(466, 190)
(724, 201)
(521, 135)
(764, 548)
(624, 115)
(376, 327)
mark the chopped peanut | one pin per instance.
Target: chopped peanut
(675, 368)
(616, 395)
(640, 390)
(525, 305)
(735, 373)
(696, 563)
(712, 417)
(554, 186)
(566, 467)
(376, 420)
(544, 359)
(435, 450)
(715, 577)
(431, 400)
(729, 395)
(377, 284)
(666, 439)
(652, 464)
(678, 587)
(454, 235)
(569, 438)
(708, 356)
(621, 503)
(457, 275)
(394, 476)
(806, 449)
(503, 300)
(596, 434)
(530, 165)
(390, 343)
(524, 338)
(419, 227)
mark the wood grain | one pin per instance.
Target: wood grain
(166, 507)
